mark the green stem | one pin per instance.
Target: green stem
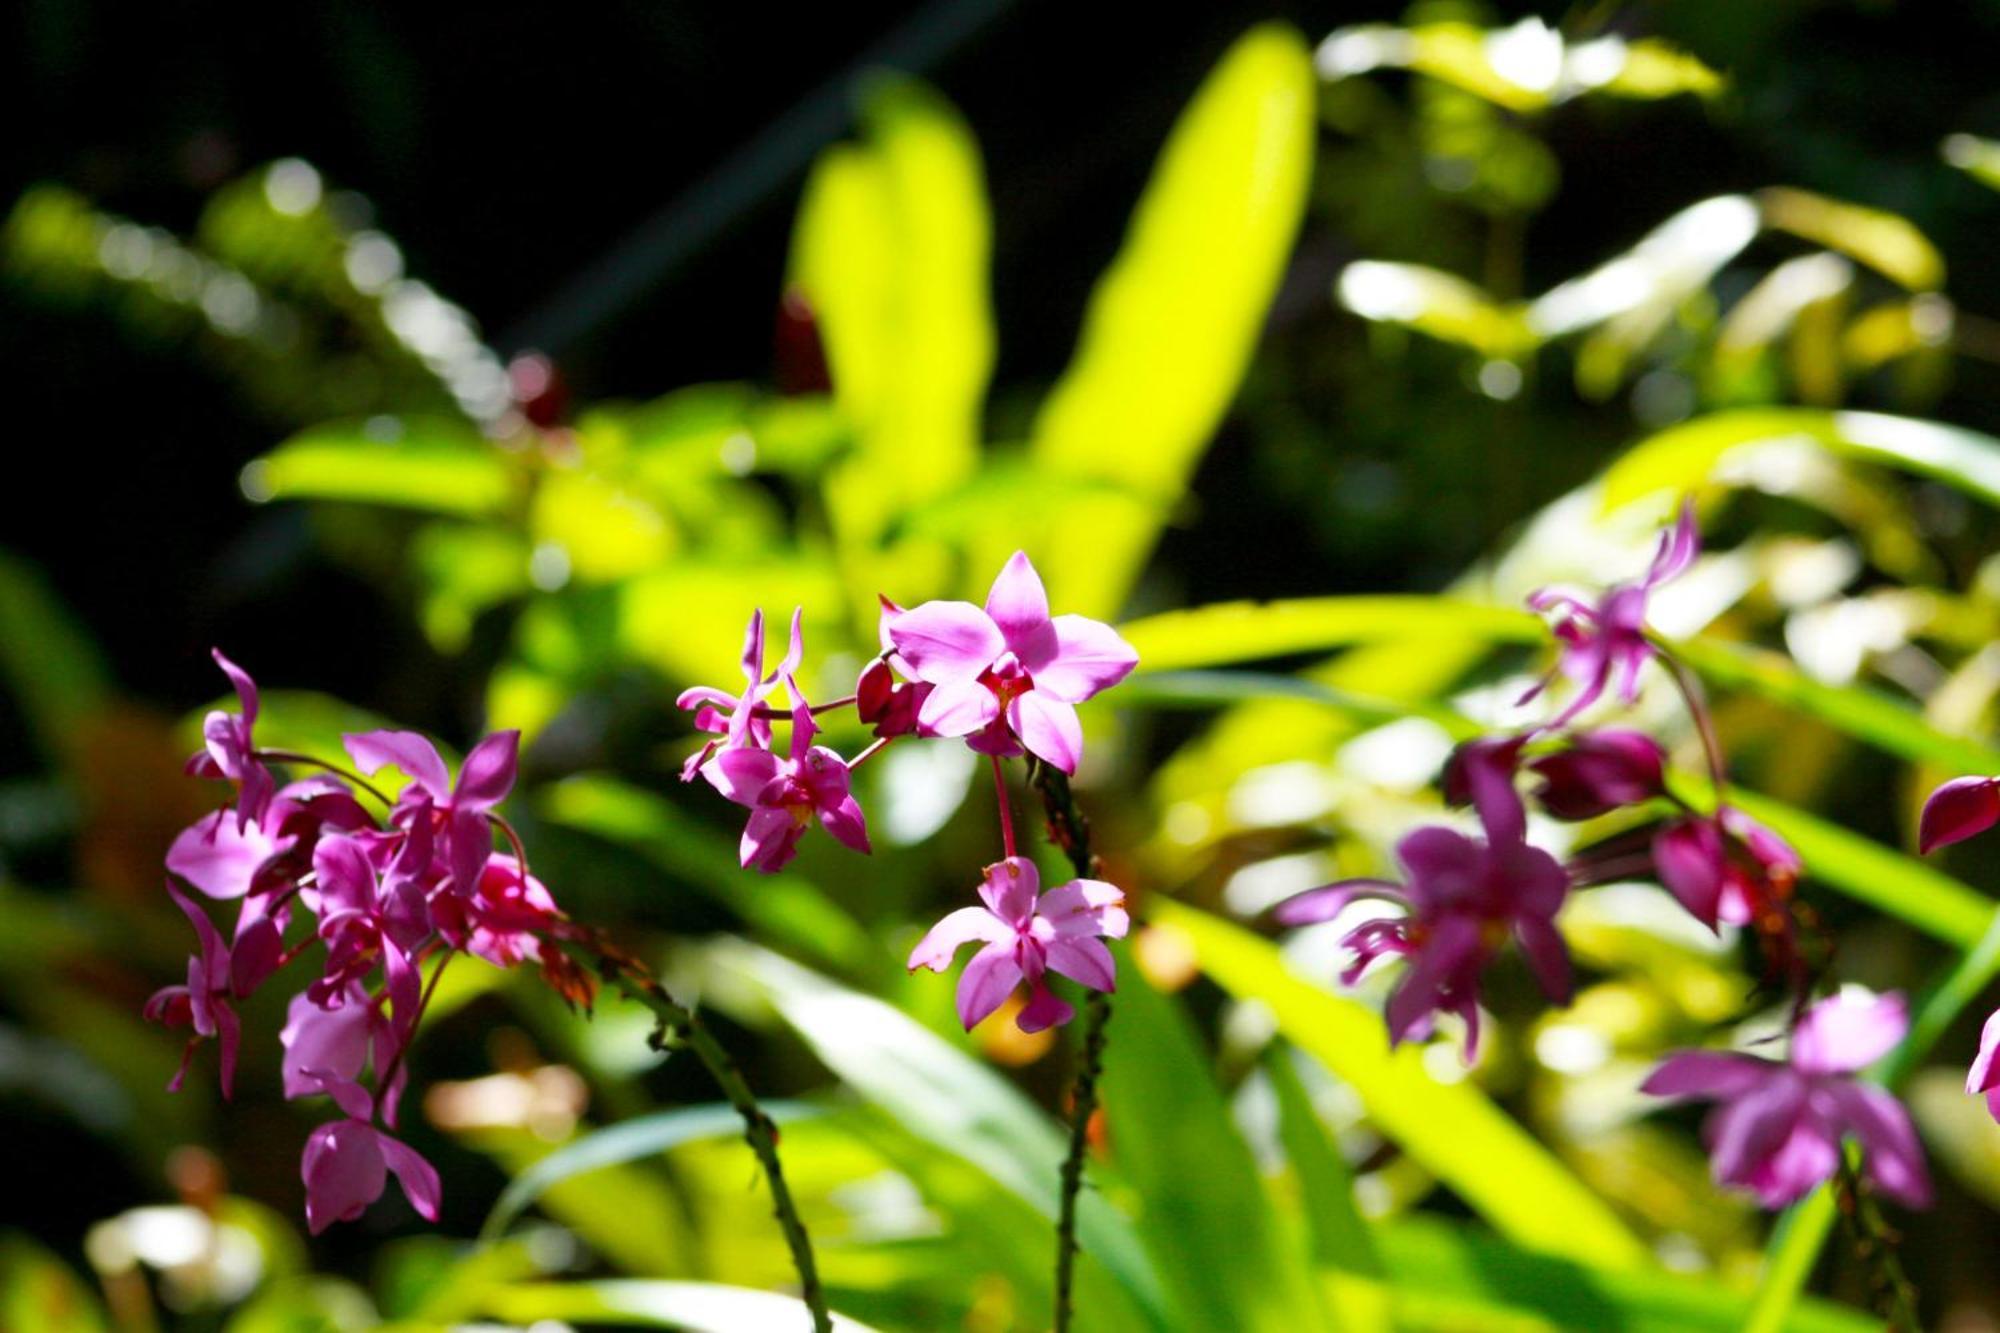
(1071, 832)
(1795, 1244)
(680, 1025)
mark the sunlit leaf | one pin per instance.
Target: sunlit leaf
(1164, 1116)
(1889, 244)
(437, 466)
(1343, 1245)
(946, 1098)
(1440, 304)
(1976, 157)
(39, 1295)
(1171, 326)
(1246, 631)
(693, 1307)
(627, 1141)
(1682, 457)
(1487, 1159)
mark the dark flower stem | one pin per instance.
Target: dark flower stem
(1071, 832)
(681, 1026)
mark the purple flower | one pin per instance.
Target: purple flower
(1010, 671)
(346, 1164)
(1606, 641)
(734, 716)
(227, 749)
(1777, 1131)
(1464, 897)
(326, 1050)
(1026, 937)
(205, 1003)
(1728, 868)
(456, 813)
(786, 795)
(1957, 810)
(1983, 1079)
(1600, 771)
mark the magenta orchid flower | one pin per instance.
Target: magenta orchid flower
(457, 811)
(734, 717)
(785, 795)
(1778, 1129)
(326, 1050)
(227, 749)
(1027, 935)
(347, 1164)
(1598, 772)
(1983, 1079)
(206, 1002)
(1605, 642)
(1464, 896)
(1010, 673)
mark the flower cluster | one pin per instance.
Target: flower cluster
(1005, 678)
(1464, 896)
(375, 898)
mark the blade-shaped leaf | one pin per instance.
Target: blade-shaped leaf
(1343, 1245)
(692, 1307)
(439, 467)
(1500, 1171)
(1172, 324)
(1245, 631)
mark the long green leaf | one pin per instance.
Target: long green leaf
(646, 1136)
(1228, 632)
(1173, 1138)
(435, 466)
(1172, 324)
(692, 1307)
(1343, 1245)
(1452, 1129)
(948, 1099)
(1682, 457)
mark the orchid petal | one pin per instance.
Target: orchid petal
(343, 1172)
(1894, 1158)
(487, 774)
(1847, 1031)
(1688, 858)
(770, 839)
(246, 688)
(1049, 728)
(418, 1177)
(406, 750)
(845, 822)
(1723, 1075)
(1044, 1010)
(1085, 907)
(989, 978)
(740, 774)
(1957, 810)
(942, 942)
(222, 854)
(1325, 902)
(1748, 1131)
(958, 708)
(1984, 1075)
(1084, 959)
(1543, 945)
(947, 641)
(1010, 888)
(1441, 961)
(1090, 657)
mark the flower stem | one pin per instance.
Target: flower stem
(347, 775)
(1006, 810)
(1690, 693)
(680, 1025)
(1071, 832)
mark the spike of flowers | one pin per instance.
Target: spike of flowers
(1463, 897)
(1027, 935)
(1778, 1127)
(386, 898)
(1604, 641)
(786, 795)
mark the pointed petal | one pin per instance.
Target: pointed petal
(1085, 907)
(1048, 727)
(1848, 1030)
(405, 750)
(1020, 607)
(1543, 945)
(942, 942)
(1445, 866)
(1485, 769)
(1679, 545)
(1325, 902)
(987, 981)
(947, 641)
(1749, 1130)
(1083, 958)
(1452, 946)
(1722, 1075)
(1984, 1075)
(214, 952)
(740, 774)
(1010, 889)
(1688, 857)
(246, 688)
(343, 1172)
(418, 1177)
(221, 854)
(487, 774)
(1957, 810)
(1895, 1160)
(1044, 1009)
(1090, 656)
(770, 839)
(795, 650)
(845, 822)
(957, 708)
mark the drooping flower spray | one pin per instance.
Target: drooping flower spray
(379, 889)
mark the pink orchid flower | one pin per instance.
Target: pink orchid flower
(1600, 771)
(206, 1002)
(1606, 641)
(227, 749)
(500, 920)
(326, 1050)
(1028, 934)
(786, 795)
(1727, 868)
(734, 716)
(346, 1165)
(1983, 1079)
(1010, 665)
(457, 812)
(1777, 1131)
(1464, 896)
